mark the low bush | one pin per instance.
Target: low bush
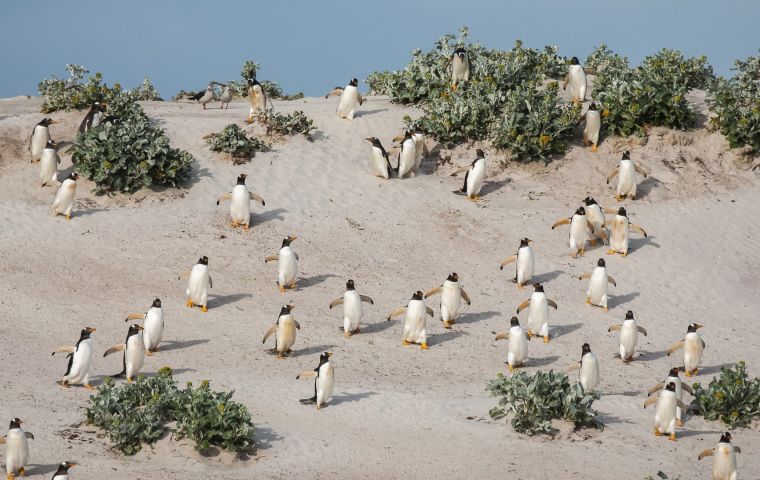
(233, 140)
(280, 125)
(736, 105)
(70, 94)
(732, 397)
(146, 91)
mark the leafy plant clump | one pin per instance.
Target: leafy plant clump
(280, 125)
(146, 91)
(71, 94)
(736, 105)
(138, 413)
(535, 400)
(233, 140)
(732, 398)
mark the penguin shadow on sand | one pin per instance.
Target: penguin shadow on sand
(360, 113)
(540, 361)
(307, 351)
(41, 469)
(97, 380)
(711, 370)
(491, 186)
(313, 280)
(476, 317)
(560, 330)
(634, 244)
(169, 345)
(267, 216)
(545, 277)
(647, 356)
(347, 398)
(215, 300)
(441, 338)
(646, 185)
(619, 300)
(376, 327)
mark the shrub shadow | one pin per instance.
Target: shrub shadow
(265, 437)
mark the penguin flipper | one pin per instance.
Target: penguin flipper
(640, 170)
(433, 291)
(675, 347)
(641, 330)
(637, 229)
(85, 121)
(650, 401)
(465, 296)
(572, 367)
(298, 325)
(614, 327)
(706, 453)
(684, 386)
(552, 303)
(398, 138)
(565, 82)
(612, 174)
(502, 336)
(271, 330)
(737, 449)
(610, 280)
(564, 221)
(183, 274)
(507, 261)
(119, 347)
(396, 313)
(224, 197)
(525, 304)
(336, 91)
(460, 170)
(271, 258)
(65, 349)
(429, 311)
(464, 186)
(336, 302)
(367, 299)
(29, 435)
(307, 374)
(660, 386)
(134, 316)
(256, 197)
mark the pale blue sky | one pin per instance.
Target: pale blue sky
(311, 46)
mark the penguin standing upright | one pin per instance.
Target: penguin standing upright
(420, 149)
(134, 352)
(538, 317)
(452, 295)
(49, 161)
(93, 118)
(693, 349)
(80, 360)
(476, 173)
(284, 330)
(579, 231)
(588, 376)
(724, 465)
(629, 336)
(225, 97)
(352, 308)
(256, 97)
(576, 78)
(39, 137)
(324, 381)
(349, 99)
(673, 376)
(207, 96)
(287, 265)
(525, 262)
(63, 471)
(620, 228)
(240, 202)
(595, 215)
(665, 412)
(517, 350)
(593, 125)
(415, 321)
(63, 202)
(597, 287)
(626, 172)
(405, 163)
(381, 164)
(460, 67)
(198, 283)
(153, 325)
(16, 448)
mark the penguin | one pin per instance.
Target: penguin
(629, 336)
(576, 78)
(207, 96)
(287, 264)
(579, 231)
(415, 321)
(349, 98)
(597, 287)
(49, 161)
(63, 202)
(538, 317)
(405, 163)
(16, 448)
(153, 325)
(324, 381)
(593, 125)
(420, 148)
(460, 67)
(39, 137)
(225, 97)
(63, 471)
(673, 376)
(595, 214)
(80, 360)
(240, 203)
(620, 228)
(93, 117)
(352, 308)
(588, 376)
(476, 173)
(284, 330)
(525, 262)
(452, 295)
(724, 465)
(198, 283)
(693, 349)
(256, 97)
(665, 412)
(517, 349)
(626, 172)
(380, 161)
(134, 352)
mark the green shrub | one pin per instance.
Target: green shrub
(233, 140)
(146, 91)
(732, 398)
(535, 400)
(70, 94)
(736, 105)
(280, 125)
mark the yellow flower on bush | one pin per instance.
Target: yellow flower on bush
(719, 395)
(544, 139)
(605, 113)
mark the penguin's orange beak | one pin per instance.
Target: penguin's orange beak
(140, 328)
(54, 121)
(698, 326)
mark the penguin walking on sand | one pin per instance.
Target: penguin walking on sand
(153, 325)
(593, 125)
(476, 173)
(724, 463)
(380, 161)
(324, 381)
(198, 283)
(420, 148)
(629, 336)
(64, 199)
(80, 360)
(240, 202)
(256, 97)
(16, 449)
(284, 330)
(665, 411)
(133, 353)
(597, 287)
(538, 317)
(352, 308)
(517, 349)
(626, 173)
(620, 228)
(406, 156)
(525, 262)
(452, 295)
(287, 265)
(349, 99)
(63, 471)
(579, 231)
(39, 137)
(595, 214)
(576, 78)
(225, 97)
(415, 321)
(460, 67)
(93, 118)
(49, 161)
(673, 377)
(588, 375)
(693, 349)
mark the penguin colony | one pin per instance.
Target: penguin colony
(588, 224)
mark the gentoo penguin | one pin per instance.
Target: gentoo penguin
(63, 471)
(665, 412)
(597, 287)
(39, 137)
(593, 125)
(626, 172)
(476, 173)
(460, 67)
(589, 369)
(287, 265)
(198, 284)
(724, 465)
(451, 299)
(576, 78)
(415, 321)
(420, 148)
(49, 161)
(405, 163)
(207, 96)
(153, 325)
(629, 336)
(517, 350)
(673, 376)
(240, 204)
(225, 97)
(80, 360)
(595, 215)
(256, 97)
(538, 317)
(620, 228)
(16, 448)
(525, 262)
(134, 352)
(284, 330)
(63, 202)
(93, 117)
(324, 381)
(349, 99)
(579, 231)
(352, 308)
(380, 161)
(693, 348)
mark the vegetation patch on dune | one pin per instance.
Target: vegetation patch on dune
(281, 125)
(736, 104)
(732, 397)
(234, 141)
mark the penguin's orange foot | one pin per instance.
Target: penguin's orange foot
(64, 384)
(319, 407)
(89, 387)
(21, 472)
(588, 301)
(625, 254)
(424, 346)
(619, 198)
(611, 252)
(346, 334)
(520, 286)
(582, 253)
(406, 342)
(593, 149)
(149, 353)
(695, 371)
(129, 380)
(605, 309)
(249, 120)
(68, 216)
(189, 303)
(246, 227)
(672, 437)
(593, 242)
(510, 368)
(688, 373)
(293, 286)
(204, 308)
(657, 432)
(546, 338)
(358, 330)
(454, 87)
(679, 422)
(235, 224)
(282, 289)
(9, 477)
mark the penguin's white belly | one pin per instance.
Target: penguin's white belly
(325, 383)
(538, 315)
(64, 197)
(418, 150)
(593, 125)
(154, 328)
(626, 179)
(40, 138)
(475, 178)
(679, 392)
(379, 164)
(518, 347)
(80, 365)
(197, 285)
(629, 336)
(692, 351)
(16, 450)
(460, 69)
(348, 101)
(578, 233)
(406, 160)
(240, 206)
(596, 217)
(48, 166)
(257, 99)
(665, 413)
(589, 375)
(415, 322)
(724, 466)
(134, 355)
(619, 231)
(288, 267)
(577, 82)
(286, 333)
(525, 265)
(352, 311)
(451, 301)
(597, 287)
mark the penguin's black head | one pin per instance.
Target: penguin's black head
(453, 277)
(157, 303)
(674, 372)
(252, 81)
(574, 61)
(374, 141)
(407, 135)
(73, 176)
(133, 329)
(86, 332)
(51, 144)
(622, 212)
(629, 315)
(111, 119)
(626, 155)
(580, 211)
(103, 107)
(592, 106)
(514, 322)
(588, 201)
(15, 423)
(203, 260)
(287, 241)
(241, 179)
(693, 327)
(63, 468)
(601, 263)
(725, 438)
(480, 153)
(525, 242)
(586, 348)
(354, 82)
(286, 309)
(350, 285)
(324, 358)
(671, 387)
(538, 287)
(417, 295)
(47, 122)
